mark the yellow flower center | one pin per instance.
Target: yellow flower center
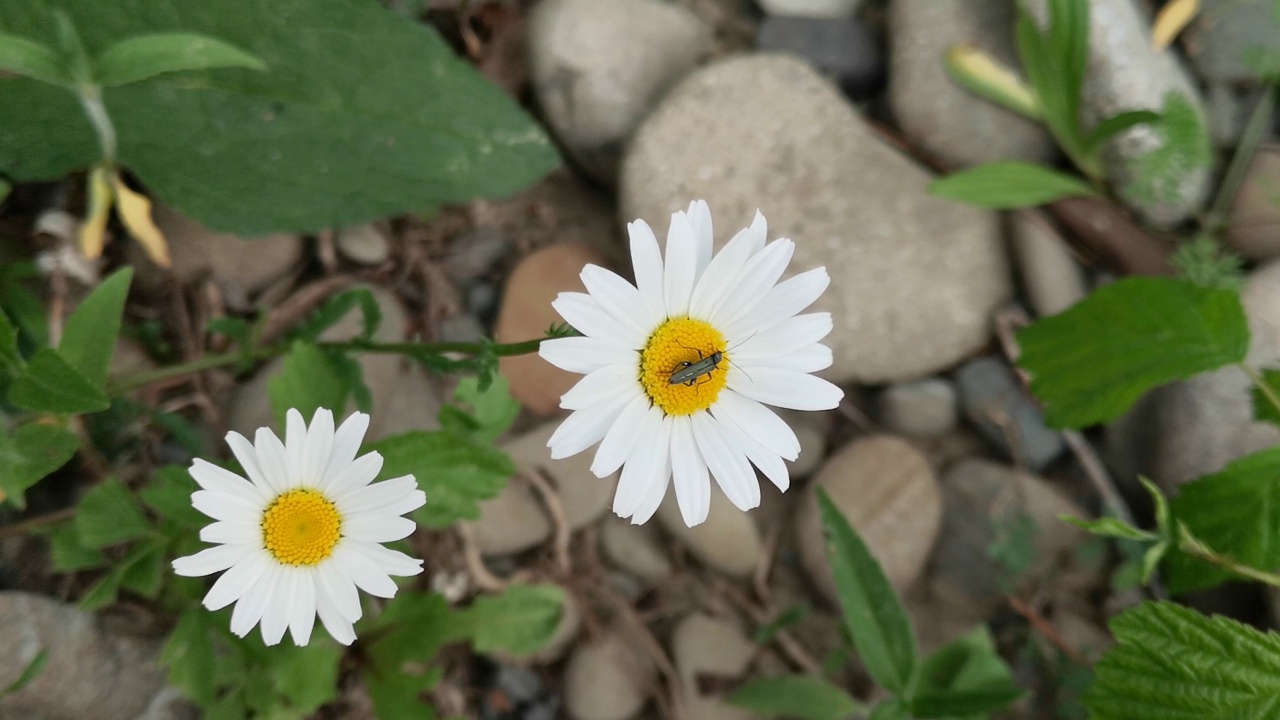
(676, 367)
(301, 527)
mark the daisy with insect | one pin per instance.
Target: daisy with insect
(680, 366)
(304, 531)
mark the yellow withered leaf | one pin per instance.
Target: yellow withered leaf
(978, 72)
(93, 229)
(1171, 20)
(135, 212)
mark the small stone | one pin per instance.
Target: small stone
(705, 646)
(812, 430)
(511, 522)
(728, 542)
(526, 313)
(89, 672)
(607, 679)
(634, 548)
(482, 300)
(940, 116)
(992, 400)
(886, 490)
(1220, 44)
(364, 244)
(475, 253)
(812, 8)
(599, 67)
(461, 328)
(924, 408)
(844, 49)
(1253, 226)
(518, 684)
(1054, 281)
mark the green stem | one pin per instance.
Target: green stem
(1234, 176)
(91, 101)
(25, 526)
(1261, 383)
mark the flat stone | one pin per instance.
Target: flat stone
(1253, 226)
(1007, 417)
(475, 253)
(1052, 278)
(635, 549)
(768, 132)
(728, 542)
(812, 430)
(1226, 33)
(366, 244)
(846, 50)
(703, 645)
(924, 408)
(607, 679)
(886, 490)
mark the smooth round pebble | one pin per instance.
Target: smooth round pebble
(607, 679)
(924, 408)
(700, 645)
(365, 244)
(635, 549)
(728, 542)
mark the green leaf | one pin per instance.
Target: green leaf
(799, 696)
(1090, 363)
(169, 494)
(873, 613)
(1264, 409)
(52, 385)
(454, 472)
(308, 380)
(109, 515)
(962, 678)
(29, 673)
(307, 676)
(146, 571)
(1237, 513)
(1115, 125)
(493, 409)
(1110, 527)
(34, 451)
(765, 633)
(400, 660)
(520, 620)
(363, 115)
(189, 656)
(89, 338)
(10, 358)
(24, 57)
(335, 309)
(143, 56)
(1185, 149)
(981, 74)
(891, 709)
(1051, 72)
(1172, 662)
(1008, 185)
(69, 554)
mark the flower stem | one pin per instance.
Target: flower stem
(25, 526)
(1240, 161)
(91, 100)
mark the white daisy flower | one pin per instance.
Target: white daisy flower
(302, 533)
(679, 366)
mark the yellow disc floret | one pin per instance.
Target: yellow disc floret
(683, 347)
(301, 527)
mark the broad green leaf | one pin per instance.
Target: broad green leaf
(891, 709)
(963, 678)
(1008, 185)
(1236, 512)
(10, 359)
(1115, 125)
(308, 380)
(143, 56)
(33, 451)
(873, 613)
(145, 574)
(69, 554)
(24, 57)
(169, 494)
(1172, 662)
(414, 627)
(796, 696)
(454, 472)
(307, 676)
(1044, 59)
(981, 74)
(1264, 407)
(362, 115)
(109, 515)
(189, 656)
(1090, 363)
(52, 385)
(89, 337)
(493, 409)
(29, 673)
(1110, 527)
(520, 620)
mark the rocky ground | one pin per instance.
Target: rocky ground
(831, 117)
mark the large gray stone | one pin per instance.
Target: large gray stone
(1052, 278)
(728, 541)
(1253, 226)
(952, 123)
(767, 132)
(703, 645)
(607, 679)
(1227, 32)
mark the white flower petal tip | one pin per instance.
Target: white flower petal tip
(295, 541)
(681, 366)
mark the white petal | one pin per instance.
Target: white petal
(272, 459)
(275, 619)
(784, 338)
(689, 471)
(584, 428)
(760, 423)
(340, 589)
(727, 463)
(757, 278)
(762, 457)
(782, 301)
(379, 496)
(703, 234)
(810, 359)
(722, 273)
(618, 297)
(359, 473)
(248, 459)
(363, 573)
(787, 389)
(221, 506)
(681, 265)
(646, 260)
(236, 581)
(621, 438)
(346, 443)
(376, 527)
(213, 560)
(295, 440)
(657, 489)
(212, 477)
(318, 448)
(330, 615)
(646, 466)
(250, 607)
(391, 562)
(601, 384)
(587, 317)
(302, 614)
(406, 504)
(232, 532)
(584, 354)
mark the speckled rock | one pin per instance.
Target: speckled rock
(951, 123)
(700, 645)
(599, 67)
(1253, 226)
(1052, 278)
(607, 679)
(728, 542)
(924, 408)
(886, 490)
(767, 132)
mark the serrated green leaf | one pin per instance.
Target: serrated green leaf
(52, 385)
(143, 56)
(796, 696)
(363, 115)
(1008, 185)
(1172, 662)
(307, 676)
(25, 57)
(34, 451)
(454, 472)
(416, 626)
(144, 574)
(169, 493)
(493, 409)
(1185, 148)
(89, 338)
(335, 309)
(520, 620)
(309, 379)
(965, 677)
(29, 673)
(69, 555)
(1090, 363)
(1264, 408)
(873, 612)
(1110, 527)
(1236, 512)
(1115, 125)
(109, 515)
(188, 654)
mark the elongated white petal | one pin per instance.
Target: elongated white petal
(378, 496)
(391, 562)
(621, 437)
(276, 618)
(703, 234)
(242, 533)
(363, 573)
(211, 477)
(272, 459)
(784, 338)
(757, 277)
(346, 444)
(341, 589)
(584, 428)
(584, 354)
(237, 580)
(810, 359)
(727, 464)
(681, 265)
(619, 298)
(769, 462)
(761, 423)
(248, 459)
(302, 615)
(225, 506)
(656, 489)
(213, 560)
(376, 527)
(318, 449)
(600, 385)
(250, 607)
(642, 464)
(784, 300)
(786, 389)
(295, 440)
(330, 615)
(646, 260)
(689, 471)
(359, 473)
(589, 318)
(722, 274)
